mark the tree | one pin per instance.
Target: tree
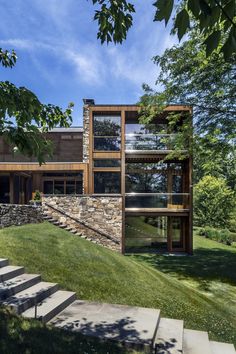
(215, 19)
(24, 119)
(213, 202)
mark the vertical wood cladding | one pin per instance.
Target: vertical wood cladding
(67, 147)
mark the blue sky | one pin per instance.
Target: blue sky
(61, 60)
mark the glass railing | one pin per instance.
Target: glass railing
(157, 201)
(150, 141)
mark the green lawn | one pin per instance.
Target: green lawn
(96, 273)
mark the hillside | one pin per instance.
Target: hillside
(96, 273)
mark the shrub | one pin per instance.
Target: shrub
(223, 236)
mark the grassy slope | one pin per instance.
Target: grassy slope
(96, 273)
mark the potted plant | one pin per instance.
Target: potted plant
(37, 200)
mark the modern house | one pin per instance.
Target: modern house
(112, 173)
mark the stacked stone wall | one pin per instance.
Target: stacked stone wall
(14, 214)
(102, 213)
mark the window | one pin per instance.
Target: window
(106, 163)
(107, 133)
(63, 183)
(107, 182)
(4, 189)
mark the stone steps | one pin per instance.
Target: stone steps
(27, 298)
(9, 272)
(136, 326)
(169, 337)
(196, 342)
(221, 348)
(3, 262)
(51, 306)
(15, 285)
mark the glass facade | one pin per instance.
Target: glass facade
(4, 189)
(107, 132)
(107, 183)
(106, 163)
(143, 233)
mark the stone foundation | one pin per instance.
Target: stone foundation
(14, 214)
(101, 213)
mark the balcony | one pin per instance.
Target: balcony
(154, 142)
(168, 201)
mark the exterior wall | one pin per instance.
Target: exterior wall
(103, 213)
(14, 214)
(68, 147)
(86, 134)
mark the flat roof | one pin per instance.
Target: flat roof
(67, 130)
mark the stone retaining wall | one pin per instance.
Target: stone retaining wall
(103, 213)
(14, 214)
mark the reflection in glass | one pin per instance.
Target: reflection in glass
(107, 144)
(107, 182)
(145, 233)
(106, 125)
(177, 232)
(146, 183)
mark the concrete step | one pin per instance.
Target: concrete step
(25, 299)
(51, 306)
(169, 337)
(12, 286)
(3, 262)
(222, 348)
(9, 272)
(196, 342)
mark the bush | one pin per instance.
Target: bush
(223, 236)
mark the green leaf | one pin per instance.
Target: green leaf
(164, 10)
(193, 5)
(229, 48)
(212, 42)
(182, 23)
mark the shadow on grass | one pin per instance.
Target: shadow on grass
(205, 264)
(21, 336)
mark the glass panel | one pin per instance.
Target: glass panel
(136, 128)
(106, 163)
(177, 184)
(59, 187)
(79, 187)
(146, 183)
(48, 187)
(70, 187)
(145, 142)
(106, 125)
(107, 144)
(145, 233)
(170, 201)
(4, 189)
(177, 232)
(107, 182)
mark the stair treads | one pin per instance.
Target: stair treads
(222, 348)
(9, 272)
(169, 337)
(196, 342)
(17, 284)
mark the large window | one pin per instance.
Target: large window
(107, 133)
(63, 183)
(107, 182)
(145, 233)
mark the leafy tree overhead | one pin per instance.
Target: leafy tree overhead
(215, 19)
(24, 119)
(213, 202)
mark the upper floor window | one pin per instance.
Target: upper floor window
(107, 132)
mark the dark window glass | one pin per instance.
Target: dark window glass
(177, 232)
(106, 182)
(145, 232)
(4, 189)
(146, 183)
(177, 184)
(106, 163)
(107, 144)
(70, 187)
(106, 125)
(59, 187)
(79, 187)
(48, 187)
